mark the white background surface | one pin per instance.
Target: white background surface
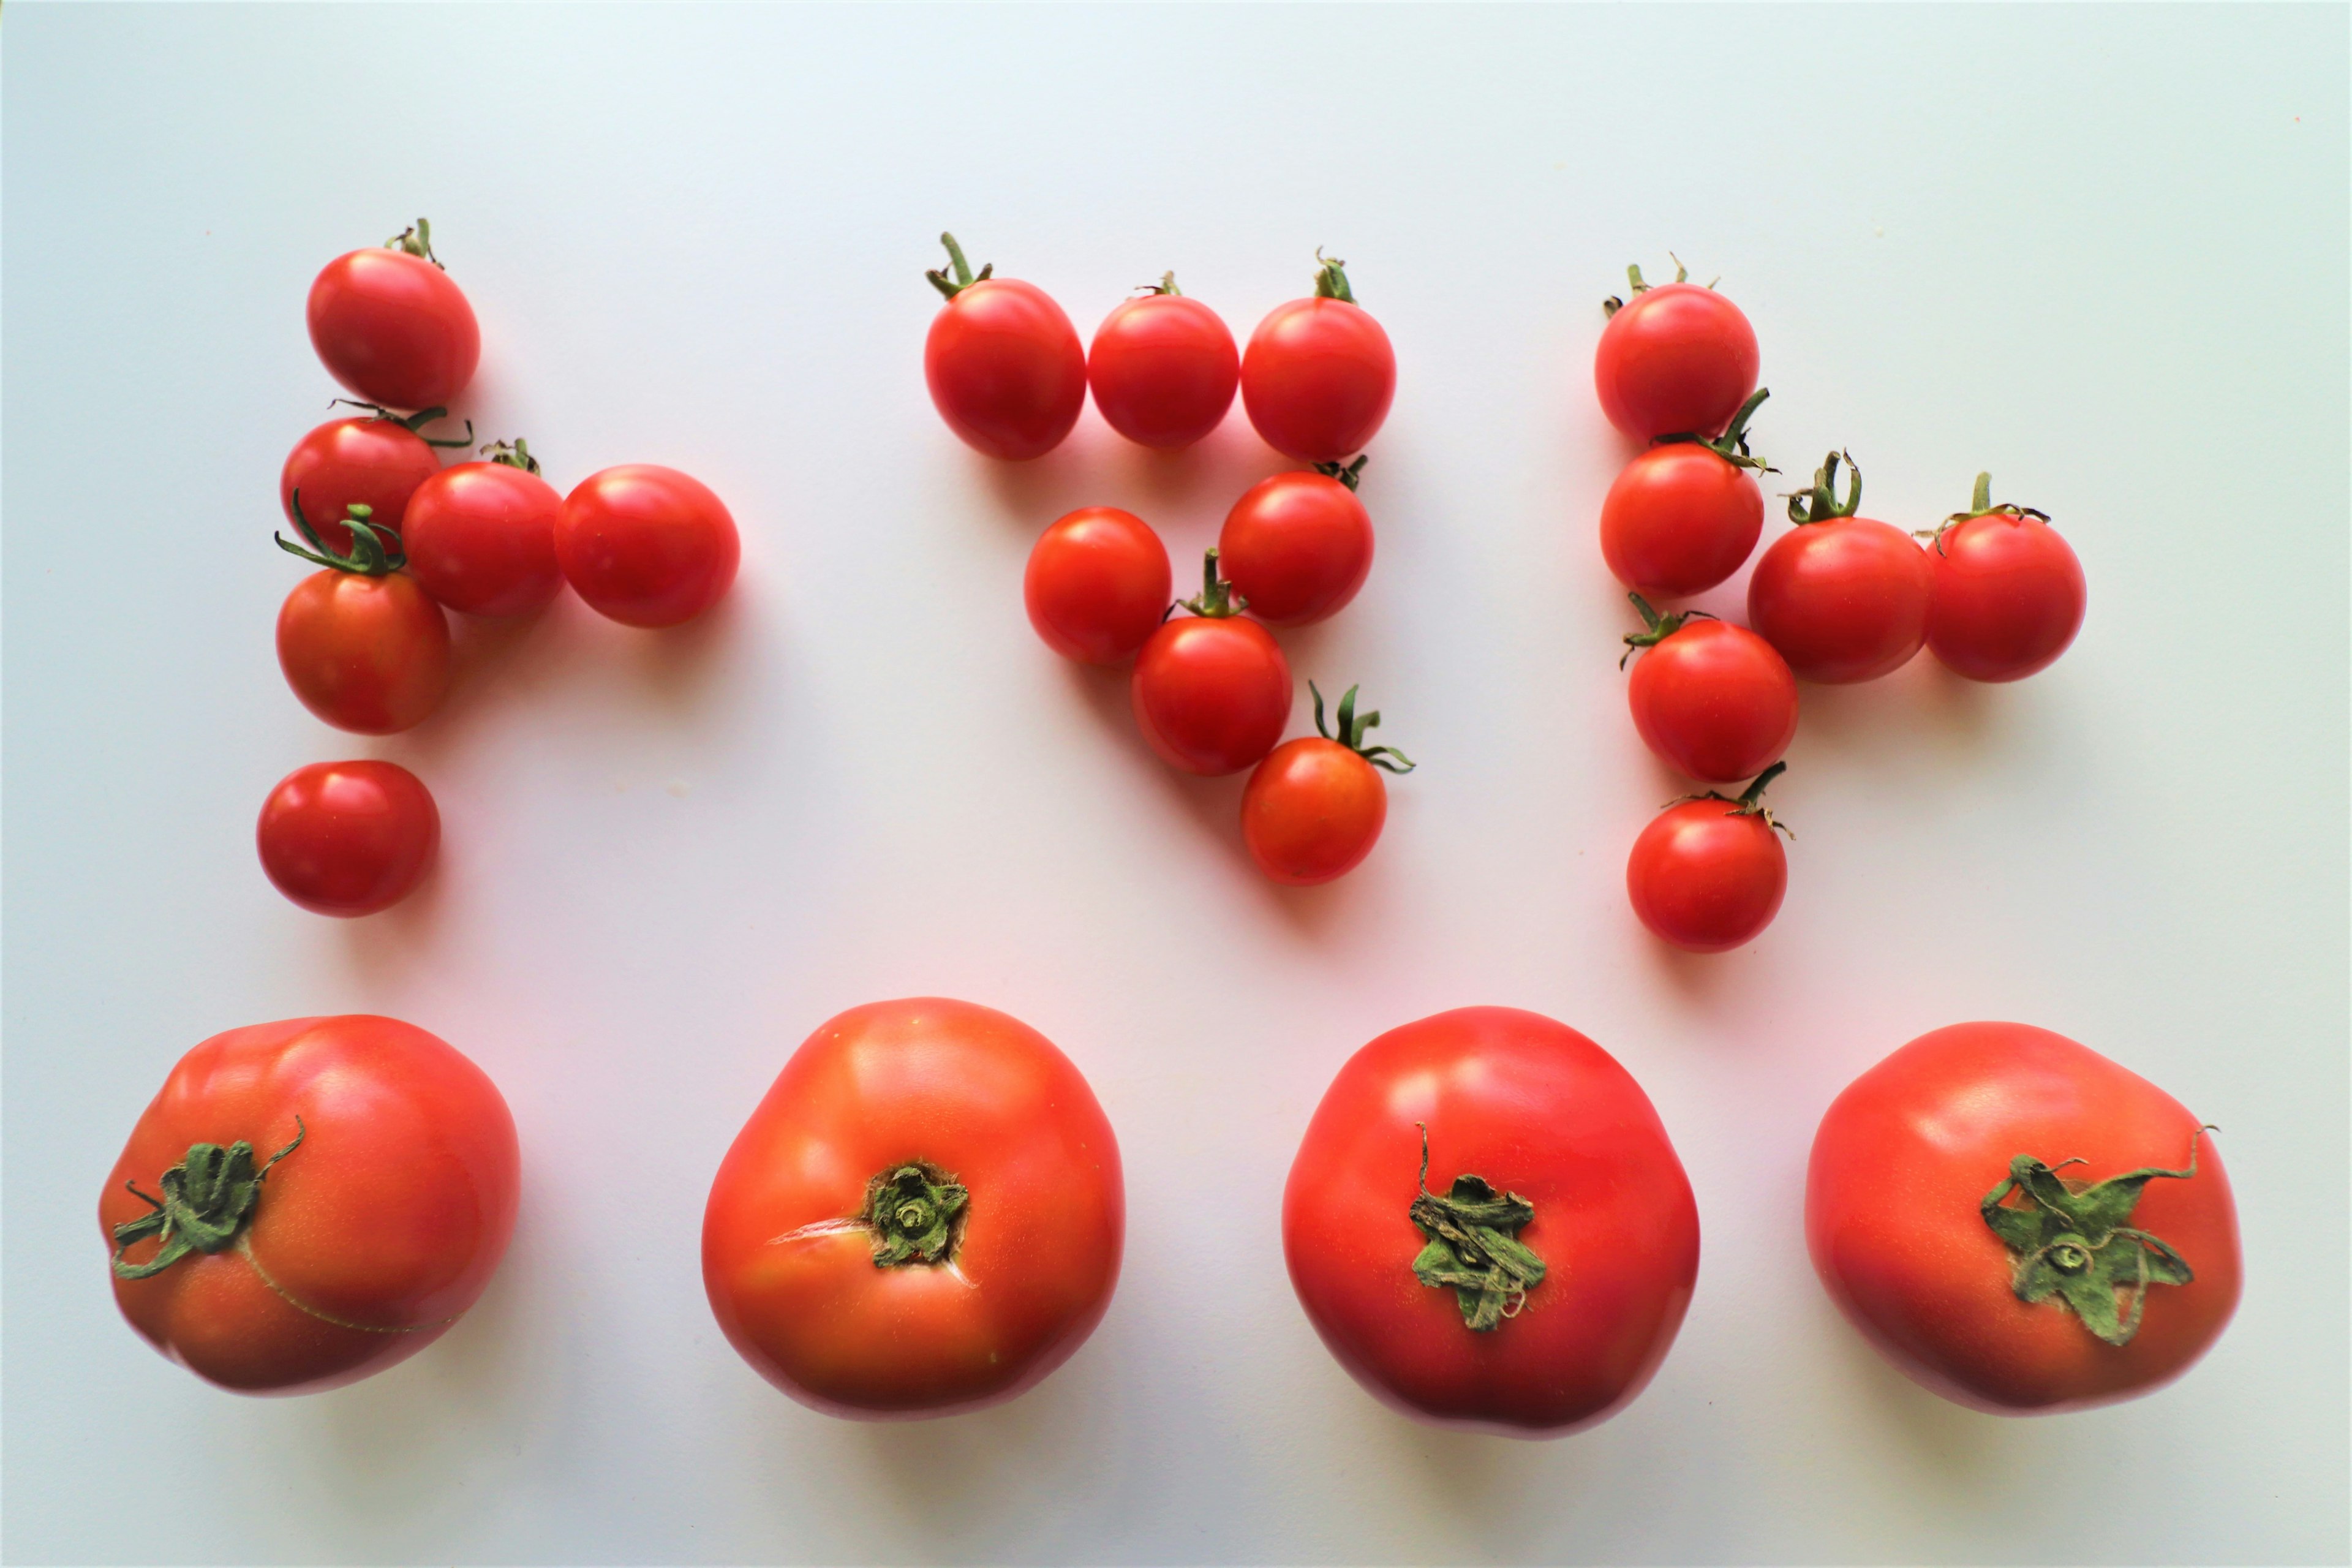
(2102, 252)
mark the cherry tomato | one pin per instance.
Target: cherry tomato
(1678, 360)
(1298, 546)
(925, 1214)
(307, 1202)
(1003, 363)
(1844, 598)
(1707, 875)
(1164, 368)
(1683, 515)
(1710, 697)
(1313, 809)
(1098, 585)
(391, 327)
(2020, 1225)
(348, 839)
(2008, 593)
(1212, 691)
(646, 545)
(1319, 373)
(1536, 1289)
(481, 536)
(362, 643)
(377, 462)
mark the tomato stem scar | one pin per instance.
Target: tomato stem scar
(917, 1214)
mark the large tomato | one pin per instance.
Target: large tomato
(390, 325)
(362, 643)
(377, 462)
(1844, 598)
(2019, 1223)
(1677, 360)
(1319, 374)
(2009, 591)
(1683, 515)
(1211, 690)
(1298, 546)
(481, 536)
(925, 1214)
(1314, 807)
(309, 1202)
(646, 545)
(1162, 368)
(1002, 362)
(1097, 584)
(1710, 697)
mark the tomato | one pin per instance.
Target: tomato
(1212, 691)
(1535, 1292)
(2019, 1223)
(348, 839)
(646, 545)
(1002, 362)
(1313, 809)
(377, 462)
(307, 1202)
(1844, 598)
(925, 1214)
(1098, 585)
(1164, 368)
(1707, 875)
(481, 536)
(1710, 697)
(390, 325)
(362, 643)
(2008, 598)
(1318, 375)
(1683, 515)
(1298, 546)
(1678, 360)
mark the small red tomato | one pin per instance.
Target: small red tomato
(1707, 875)
(362, 643)
(1683, 515)
(1319, 373)
(2019, 1223)
(2009, 592)
(348, 839)
(1710, 697)
(481, 536)
(1164, 368)
(1844, 598)
(1313, 809)
(1678, 360)
(1003, 363)
(646, 545)
(1212, 691)
(376, 462)
(1298, 546)
(390, 325)
(1098, 585)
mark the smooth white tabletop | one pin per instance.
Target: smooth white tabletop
(2102, 252)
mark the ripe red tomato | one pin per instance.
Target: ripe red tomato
(362, 644)
(348, 839)
(1536, 1291)
(377, 462)
(1678, 360)
(2019, 1223)
(1710, 697)
(1844, 598)
(925, 1214)
(307, 1202)
(1212, 691)
(2008, 593)
(1298, 545)
(1164, 368)
(646, 545)
(1683, 515)
(1707, 875)
(1313, 809)
(1098, 585)
(390, 325)
(1002, 362)
(1319, 373)
(481, 536)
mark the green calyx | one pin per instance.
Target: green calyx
(368, 555)
(1732, 445)
(414, 424)
(964, 276)
(1980, 505)
(1352, 726)
(1820, 504)
(915, 1212)
(1656, 628)
(1331, 278)
(514, 454)
(1749, 802)
(1349, 474)
(1167, 285)
(415, 240)
(1474, 1247)
(208, 1200)
(1637, 284)
(1217, 599)
(2075, 1242)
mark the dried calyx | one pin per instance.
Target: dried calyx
(413, 423)
(1820, 504)
(1640, 285)
(1331, 278)
(1472, 1246)
(368, 555)
(1217, 599)
(514, 454)
(1980, 505)
(1749, 800)
(915, 1212)
(964, 276)
(208, 1200)
(1352, 726)
(2075, 1242)
(415, 240)
(1656, 628)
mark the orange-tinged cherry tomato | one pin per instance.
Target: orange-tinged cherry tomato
(1298, 546)
(391, 326)
(1164, 368)
(1211, 690)
(377, 462)
(1711, 698)
(1313, 809)
(1676, 360)
(2009, 592)
(646, 545)
(1844, 598)
(348, 839)
(362, 643)
(1002, 362)
(1707, 875)
(481, 536)
(1098, 585)
(1683, 516)
(1320, 374)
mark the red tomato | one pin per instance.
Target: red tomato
(1212, 691)
(646, 545)
(1164, 368)
(1319, 373)
(2019, 1223)
(1298, 546)
(1313, 809)
(1677, 361)
(390, 325)
(1536, 1290)
(925, 1214)
(1710, 697)
(348, 839)
(1707, 875)
(1098, 585)
(362, 644)
(2009, 592)
(1844, 598)
(1683, 515)
(481, 536)
(377, 462)
(1003, 363)
(307, 1202)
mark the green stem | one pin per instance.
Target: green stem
(1351, 732)
(514, 454)
(917, 1214)
(1351, 474)
(964, 276)
(1472, 1245)
(1217, 599)
(1656, 628)
(208, 1200)
(1820, 504)
(413, 423)
(368, 556)
(415, 240)
(2072, 1241)
(1331, 278)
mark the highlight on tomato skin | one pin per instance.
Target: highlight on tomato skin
(1002, 363)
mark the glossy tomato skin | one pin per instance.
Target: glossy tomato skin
(378, 463)
(1097, 584)
(2008, 598)
(1297, 547)
(1536, 1108)
(368, 1240)
(367, 653)
(1005, 369)
(348, 839)
(1911, 1148)
(1162, 369)
(1715, 700)
(1843, 601)
(1678, 519)
(646, 545)
(1312, 811)
(394, 329)
(1318, 379)
(1211, 693)
(1707, 879)
(1676, 360)
(976, 1095)
(481, 538)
